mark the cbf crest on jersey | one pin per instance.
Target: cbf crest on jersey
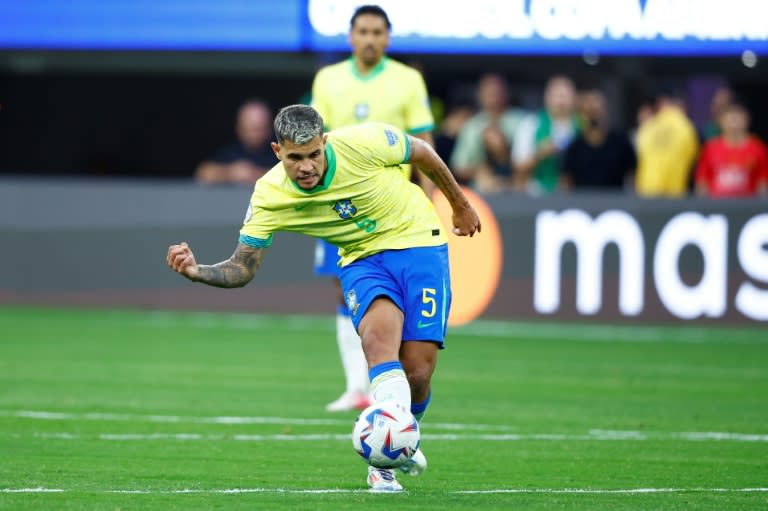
(345, 209)
(362, 110)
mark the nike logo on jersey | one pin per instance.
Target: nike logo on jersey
(421, 324)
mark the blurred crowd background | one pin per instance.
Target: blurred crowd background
(553, 118)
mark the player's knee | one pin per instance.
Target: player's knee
(371, 339)
(377, 346)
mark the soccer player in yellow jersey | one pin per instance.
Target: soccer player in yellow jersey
(346, 187)
(368, 86)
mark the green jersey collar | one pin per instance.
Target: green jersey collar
(376, 71)
(330, 158)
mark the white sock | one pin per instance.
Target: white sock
(388, 382)
(352, 357)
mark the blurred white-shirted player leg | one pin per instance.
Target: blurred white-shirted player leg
(355, 395)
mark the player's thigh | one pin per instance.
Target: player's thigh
(380, 330)
(427, 295)
(364, 281)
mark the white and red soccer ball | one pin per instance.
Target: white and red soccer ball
(386, 434)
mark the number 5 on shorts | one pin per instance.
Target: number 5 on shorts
(428, 299)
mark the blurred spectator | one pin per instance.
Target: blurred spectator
(250, 156)
(644, 114)
(455, 119)
(720, 100)
(666, 149)
(543, 137)
(734, 164)
(598, 157)
(481, 154)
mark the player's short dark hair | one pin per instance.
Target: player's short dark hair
(298, 124)
(370, 9)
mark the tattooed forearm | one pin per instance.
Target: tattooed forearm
(236, 271)
(444, 180)
(437, 171)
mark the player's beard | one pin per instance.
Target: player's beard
(369, 56)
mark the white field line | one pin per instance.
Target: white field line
(715, 435)
(618, 491)
(283, 421)
(594, 435)
(31, 490)
(321, 491)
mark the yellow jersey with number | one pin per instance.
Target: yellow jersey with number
(363, 205)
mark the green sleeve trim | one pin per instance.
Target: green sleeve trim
(407, 156)
(421, 129)
(256, 242)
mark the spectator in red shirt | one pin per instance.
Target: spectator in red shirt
(735, 164)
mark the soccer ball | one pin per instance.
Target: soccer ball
(386, 434)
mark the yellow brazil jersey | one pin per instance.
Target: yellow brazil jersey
(391, 93)
(666, 149)
(364, 204)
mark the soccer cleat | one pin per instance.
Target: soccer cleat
(383, 480)
(415, 466)
(351, 400)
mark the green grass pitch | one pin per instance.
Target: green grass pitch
(157, 410)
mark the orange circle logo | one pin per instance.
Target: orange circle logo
(475, 262)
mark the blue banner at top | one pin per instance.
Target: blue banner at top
(617, 27)
(515, 27)
(151, 24)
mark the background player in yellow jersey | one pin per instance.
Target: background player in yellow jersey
(368, 86)
(346, 187)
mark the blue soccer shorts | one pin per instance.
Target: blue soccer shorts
(326, 259)
(417, 280)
